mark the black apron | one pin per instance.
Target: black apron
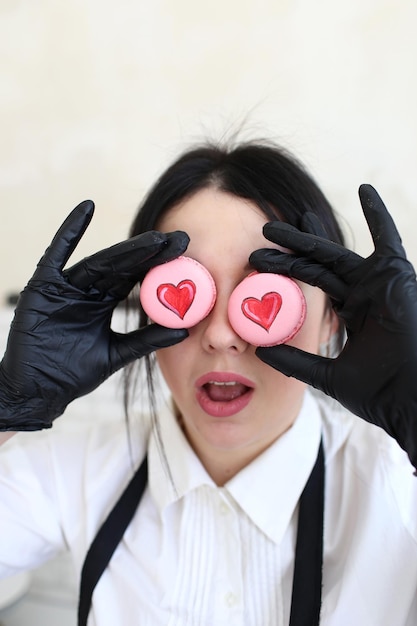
(307, 582)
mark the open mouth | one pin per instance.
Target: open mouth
(222, 394)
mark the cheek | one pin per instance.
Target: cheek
(172, 363)
(176, 362)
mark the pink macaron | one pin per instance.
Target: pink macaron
(267, 309)
(178, 294)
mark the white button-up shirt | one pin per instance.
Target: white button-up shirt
(199, 555)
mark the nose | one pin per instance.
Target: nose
(218, 334)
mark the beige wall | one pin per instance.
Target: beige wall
(97, 96)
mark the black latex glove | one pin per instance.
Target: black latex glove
(375, 375)
(60, 344)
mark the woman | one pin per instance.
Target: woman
(230, 525)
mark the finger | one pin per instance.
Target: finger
(307, 367)
(310, 223)
(136, 344)
(323, 251)
(68, 236)
(176, 243)
(115, 260)
(119, 267)
(384, 233)
(300, 268)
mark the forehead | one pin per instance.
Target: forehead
(211, 215)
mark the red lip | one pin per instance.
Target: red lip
(223, 377)
(219, 408)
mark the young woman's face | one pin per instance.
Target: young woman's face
(263, 403)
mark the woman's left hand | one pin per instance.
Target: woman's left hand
(375, 375)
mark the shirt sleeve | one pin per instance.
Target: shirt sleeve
(29, 518)
(402, 484)
(57, 486)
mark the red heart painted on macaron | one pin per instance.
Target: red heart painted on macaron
(263, 312)
(179, 298)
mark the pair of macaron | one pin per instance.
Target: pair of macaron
(264, 309)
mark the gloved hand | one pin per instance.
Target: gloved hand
(375, 375)
(60, 344)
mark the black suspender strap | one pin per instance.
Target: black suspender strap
(307, 583)
(308, 566)
(108, 538)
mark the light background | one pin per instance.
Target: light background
(97, 97)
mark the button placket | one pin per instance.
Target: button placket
(230, 580)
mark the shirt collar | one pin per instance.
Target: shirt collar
(268, 489)
(173, 467)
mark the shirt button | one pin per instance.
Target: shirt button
(224, 509)
(230, 599)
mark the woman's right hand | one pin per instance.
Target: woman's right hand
(61, 345)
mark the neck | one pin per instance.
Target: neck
(223, 464)
(222, 468)
(226, 450)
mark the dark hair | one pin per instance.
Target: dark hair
(263, 172)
